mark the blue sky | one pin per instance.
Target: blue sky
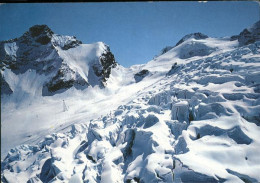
(135, 31)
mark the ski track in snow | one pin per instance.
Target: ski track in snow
(193, 121)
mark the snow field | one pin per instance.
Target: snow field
(193, 121)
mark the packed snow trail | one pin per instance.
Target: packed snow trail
(183, 117)
(194, 125)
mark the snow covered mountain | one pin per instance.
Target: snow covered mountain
(248, 35)
(58, 62)
(192, 114)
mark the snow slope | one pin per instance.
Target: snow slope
(60, 62)
(193, 115)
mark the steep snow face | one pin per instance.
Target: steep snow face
(198, 44)
(89, 61)
(197, 123)
(196, 51)
(173, 119)
(194, 48)
(41, 63)
(197, 36)
(188, 51)
(60, 61)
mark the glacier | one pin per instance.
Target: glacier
(192, 114)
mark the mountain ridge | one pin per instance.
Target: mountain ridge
(182, 117)
(247, 36)
(21, 55)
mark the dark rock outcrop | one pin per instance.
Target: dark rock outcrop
(29, 51)
(63, 80)
(71, 44)
(141, 75)
(5, 88)
(165, 50)
(248, 35)
(174, 69)
(108, 62)
(41, 34)
(38, 49)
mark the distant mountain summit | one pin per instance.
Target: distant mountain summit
(189, 115)
(197, 36)
(194, 44)
(61, 62)
(248, 35)
(191, 45)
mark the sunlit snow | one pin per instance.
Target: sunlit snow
(193, 118)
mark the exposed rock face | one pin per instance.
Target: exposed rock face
(65, 42)
(248, 35)
(174, 68)
(141, 75)
(63, 80)
(41, 33)
(166, 49)
(108, 62)
(30, 51)
(41, 50)
(187, 126)
(5, 88)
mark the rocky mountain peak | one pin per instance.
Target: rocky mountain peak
(37, 30)
(41, 50)
(196, 36)
(248, 35)
(255, 28)
(174, 119)
(39, 33)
